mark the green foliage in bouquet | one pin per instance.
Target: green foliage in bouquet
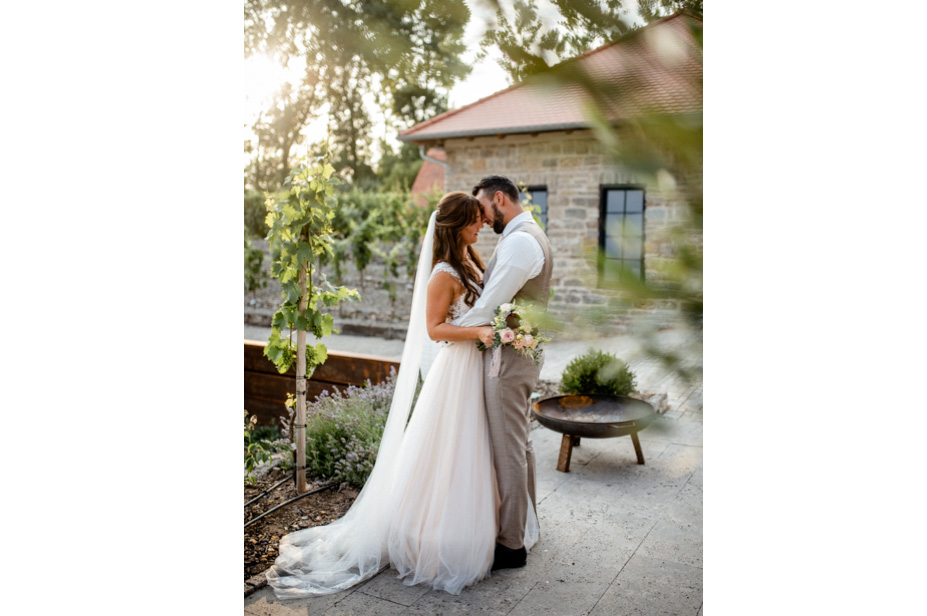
(516, 324)
(597, 372)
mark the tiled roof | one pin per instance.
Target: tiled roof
(657, 69)
(430, 176)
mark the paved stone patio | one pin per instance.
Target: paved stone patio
(616, 537)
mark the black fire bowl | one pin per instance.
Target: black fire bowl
(593, 416)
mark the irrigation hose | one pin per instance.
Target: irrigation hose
(292, 500)
(277, 485)
(268, 491)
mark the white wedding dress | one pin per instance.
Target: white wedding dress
(429, 508)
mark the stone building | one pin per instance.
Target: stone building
(537, 134)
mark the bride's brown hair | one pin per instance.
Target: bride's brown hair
(457, 210)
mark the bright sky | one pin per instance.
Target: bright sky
(263, 76)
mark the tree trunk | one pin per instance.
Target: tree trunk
(285, 148)
(301, 387)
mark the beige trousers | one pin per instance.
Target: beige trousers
(508, 414)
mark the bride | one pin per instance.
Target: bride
(429, 507)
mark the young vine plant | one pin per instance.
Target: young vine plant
(299, 217)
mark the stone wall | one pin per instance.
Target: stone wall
(574, 169)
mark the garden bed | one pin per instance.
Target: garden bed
(262, 539)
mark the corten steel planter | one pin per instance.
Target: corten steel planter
(593, 416)
(266, 388)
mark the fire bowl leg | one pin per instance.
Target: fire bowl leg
(637, 448)
(566, 452)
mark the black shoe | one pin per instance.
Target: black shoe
(507, 558)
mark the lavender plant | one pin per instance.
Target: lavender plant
(344, 431)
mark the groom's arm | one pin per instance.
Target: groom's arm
(518, 261)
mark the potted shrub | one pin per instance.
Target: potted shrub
(597, 373)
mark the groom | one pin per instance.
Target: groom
(519, 270)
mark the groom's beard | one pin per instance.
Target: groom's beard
(497, 225)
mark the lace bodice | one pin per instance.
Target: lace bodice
(458, 307)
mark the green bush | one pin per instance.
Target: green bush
(261, 444)
(255, 275)
(255, 213)
(597, 372)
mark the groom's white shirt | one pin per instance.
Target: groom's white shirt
(519, 258)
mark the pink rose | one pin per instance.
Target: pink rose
(520, 343)
(507, 336)
(530, 342)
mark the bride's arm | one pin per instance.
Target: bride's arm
(442, 290)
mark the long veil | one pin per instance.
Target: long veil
(327, 559)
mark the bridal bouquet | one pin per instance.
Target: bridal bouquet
(512, 326)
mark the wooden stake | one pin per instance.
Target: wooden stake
(301, 393)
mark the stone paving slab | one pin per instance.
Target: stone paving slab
(561, 597)
(681, 543)
(652, 587)
(359, 603)
(465, 604)
(385, 586)
(265, 603)
(696, 479)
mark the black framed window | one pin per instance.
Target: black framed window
(621, 233)
(539, 198)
